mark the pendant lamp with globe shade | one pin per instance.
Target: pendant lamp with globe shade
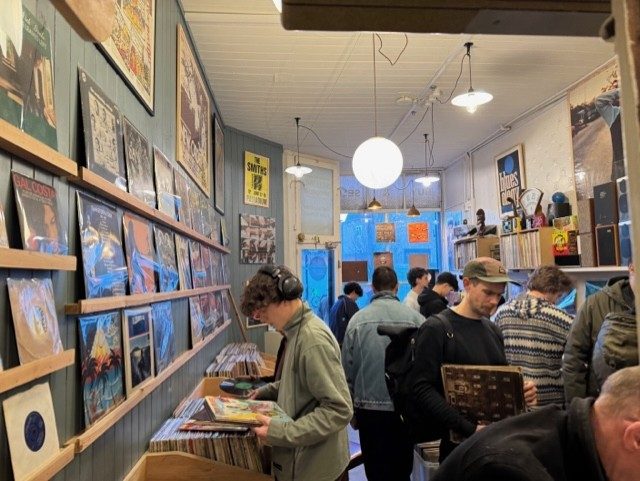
(298, 170)
(472, 98)
(377, 162)
(427, 179)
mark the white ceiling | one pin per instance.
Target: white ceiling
(263, 76)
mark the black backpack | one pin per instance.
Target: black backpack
(399, 359)
(616, 346)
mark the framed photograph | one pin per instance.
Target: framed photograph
(193, 121)
(131, 48)
(510, 175)
(218, 165)
(137, 334)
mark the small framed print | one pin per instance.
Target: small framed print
(510, 175)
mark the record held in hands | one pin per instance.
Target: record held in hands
(240, 386)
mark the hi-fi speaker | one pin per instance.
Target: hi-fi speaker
(624, 236)
(623, 204)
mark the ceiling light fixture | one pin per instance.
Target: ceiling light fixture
(377, 162)
(427, 179)
(278, 4)
(374, 204)
(472, 98)
(413, 212)
(298, 170)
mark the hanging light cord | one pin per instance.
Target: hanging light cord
(406, 43)
(455, 85)
(323, 144)
(417, 125)
(375, 92)
(298, 138)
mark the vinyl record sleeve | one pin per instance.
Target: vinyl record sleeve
(198, 275)
(166, 251)
(163, 335)
(240, 387)
(141, 264)
(243, 411)
(196, 320)
(34, 318)
(102, 126)
(184, 264)
(4, 239)
(38, 215)
(182, 198)
(138, 347)
(164, 183)
(31, 429)
(139, 168)
(103, 262)
(101, 364)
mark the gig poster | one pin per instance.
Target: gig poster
(256, 179)
(510, 169)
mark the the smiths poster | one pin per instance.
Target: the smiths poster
(510, 167)
(256, 179)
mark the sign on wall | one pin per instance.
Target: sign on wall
(418, 232)
(510, 169)
(256, 179)
(386, 232)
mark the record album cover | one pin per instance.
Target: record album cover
(205, 254)
(182, 198)
(139, 168)
(196, 320)
(184, 265)
(105, 272)
(34, 318)
(38, 215)
(102, 125)
(138, 347)
(4, 239)
(138, 243)
(198, 275)
(220, 319)
(167, 268)
(31, 430)
(101, 364)
(163, 335)
(207, 315)
(26, 73)
(196, 199)
(226, 306)
(164, 183)
(243, 411)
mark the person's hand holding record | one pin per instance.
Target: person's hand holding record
(241, 386)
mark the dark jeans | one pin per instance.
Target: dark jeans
(387, 449)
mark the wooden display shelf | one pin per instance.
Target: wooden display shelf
(21, 259)
(176, 466)
(93, 182)
(100, 304)
(54, 466)
(87, 438)
(22, 145)
(17, 376)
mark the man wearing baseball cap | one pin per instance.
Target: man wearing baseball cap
(462, 334)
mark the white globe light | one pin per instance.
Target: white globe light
(377, 163)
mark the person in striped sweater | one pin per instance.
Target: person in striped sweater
(535, 332)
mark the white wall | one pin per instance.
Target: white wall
(548, 159)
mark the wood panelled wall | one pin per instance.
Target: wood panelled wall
(113, 455)
(236, 143)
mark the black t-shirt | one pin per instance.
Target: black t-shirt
(474, 342)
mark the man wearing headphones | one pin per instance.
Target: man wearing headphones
(312, 390)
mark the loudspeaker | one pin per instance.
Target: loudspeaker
(557, 209)
(587, 249)
(624, 236)
(623, 205)
(607, 245)
(605, 204)
(585, 216)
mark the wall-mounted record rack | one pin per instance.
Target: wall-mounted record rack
(21, 259)
(96, 184)
(19, 375)
(102, 425)
(100, 304)
(53, 466)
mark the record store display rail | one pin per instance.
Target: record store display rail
(99, 304)
(21, 259)
(17, 376)
(93, 182)
(53, 466)
(93, 433)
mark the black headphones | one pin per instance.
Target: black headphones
(289, 286)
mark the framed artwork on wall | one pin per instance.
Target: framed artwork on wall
(131, 48)
(510, 175)
(193, 121)
(218, 165)
(256, 179)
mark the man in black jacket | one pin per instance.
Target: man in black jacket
(435, 300)
(591, 441)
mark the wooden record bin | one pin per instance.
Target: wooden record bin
(469, 248)
(527, 249)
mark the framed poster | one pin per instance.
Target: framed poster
(218, 166)
(386, 232)
(257, 239)
(256, 179)
(596, 131)
(193, 121)
(510, 171)
(131, 47)
(418, 232)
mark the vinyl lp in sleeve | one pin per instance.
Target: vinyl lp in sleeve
(31, 429)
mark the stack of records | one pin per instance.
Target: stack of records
(236, 360)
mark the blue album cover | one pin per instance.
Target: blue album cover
(163, 335)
